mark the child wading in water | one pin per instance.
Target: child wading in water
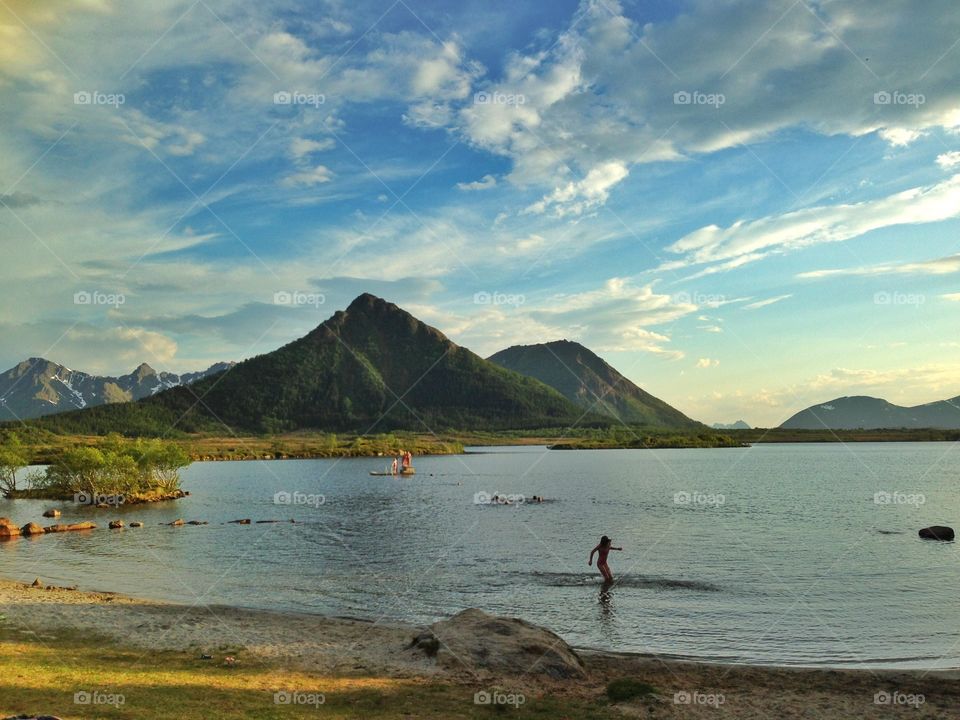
(602, 550)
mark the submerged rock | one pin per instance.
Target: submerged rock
(51, 513)
(245, 521)
(937, 532)
(8, 529)
(177, 523)
(115, 524)
(31, 529)
(198, 522)
(136, 523)
(67, 528)
(498, 645)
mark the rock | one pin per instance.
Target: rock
(198, 522)
(36, 583)
(177, 523)
(101, 505)
(8, 529)
(264, 522)
(136, 523)
(31, 529)
(51, 513)
(937, 532)
(498, 645)
(245, 521)
(67, 528)
(115, 524)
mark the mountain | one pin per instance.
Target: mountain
(584, 378)
(38, 387)
(868, 413)
(738, 425)
(371, 368)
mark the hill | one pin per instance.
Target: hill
(585, 379)
(869, 413)
(371, 368)
(37, 387)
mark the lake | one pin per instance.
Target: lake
(776, 554)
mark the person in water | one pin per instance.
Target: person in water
(602, 550)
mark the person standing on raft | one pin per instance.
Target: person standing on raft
(602, 550)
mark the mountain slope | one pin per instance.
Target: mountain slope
(738, 425)
(869, 413)
(38, 387)
(370, 368)
(587, 380)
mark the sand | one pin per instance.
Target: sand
(348, 646)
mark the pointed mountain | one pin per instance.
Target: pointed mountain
(738, 425)
(584, 378)
(370, 368)
(38, 387)
(870, 413)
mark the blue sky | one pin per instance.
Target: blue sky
(746, 207)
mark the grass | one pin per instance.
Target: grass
(43, 676)
(624, 689)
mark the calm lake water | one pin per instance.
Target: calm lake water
(780, 554)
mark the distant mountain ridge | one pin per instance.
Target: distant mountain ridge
(371, 368)
(587, 380)
(738, 425)
(37, 387)
(870, 413)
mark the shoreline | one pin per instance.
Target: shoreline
(14, 592)
(50, 630)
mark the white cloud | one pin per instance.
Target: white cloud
(750, 240)
(940, 266)
(301, 148)
(764, 303)
(707, 363)
(484, 183)
(576, 197)
(309, 177)
(949, 159)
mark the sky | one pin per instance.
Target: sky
(747, 207)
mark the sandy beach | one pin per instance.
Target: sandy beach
(353, 648)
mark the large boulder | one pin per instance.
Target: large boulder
(8, 529)
(937, 532)
(509, 647)
(31, 529)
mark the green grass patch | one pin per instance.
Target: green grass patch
(624, 689)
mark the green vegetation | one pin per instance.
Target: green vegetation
(13, 458)
(645, 438)
(138, 471)
(373, 368)
(43, 676)
(785, 435)
(624, 689)
(591, 383)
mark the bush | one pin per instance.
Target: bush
(13, 458)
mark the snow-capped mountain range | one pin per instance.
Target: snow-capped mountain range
(38, 387)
